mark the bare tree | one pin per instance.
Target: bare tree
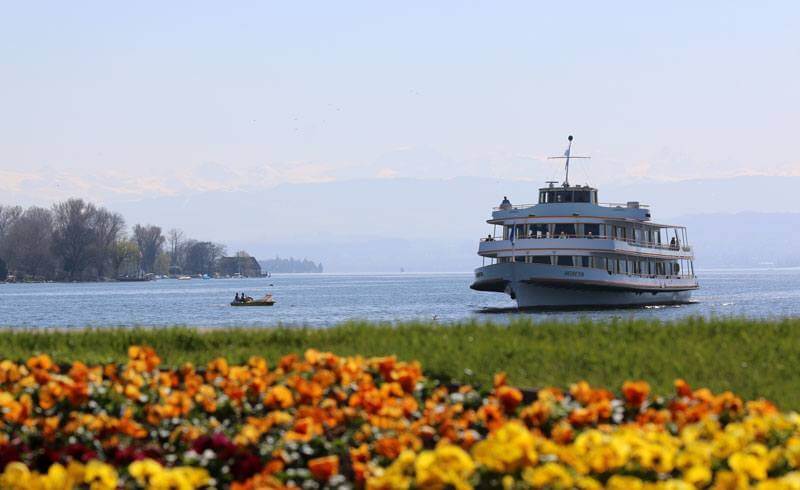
(108, 228)
(174, 241)
(73, 235)
(29, 244)
(8, 215)
(150, 241)
(183, 254)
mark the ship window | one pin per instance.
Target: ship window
(564, 260)
(581, 196)
(560, 196)
(540, 259)
(519, 258)
(538, 230)
(567, 229)
(585, 261)
(591, 228)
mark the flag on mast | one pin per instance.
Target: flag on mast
(567, 156)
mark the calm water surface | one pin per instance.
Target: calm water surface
(328, 299)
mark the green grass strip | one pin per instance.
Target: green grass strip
(752, 358)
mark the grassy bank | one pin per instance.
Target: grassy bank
(753, 359)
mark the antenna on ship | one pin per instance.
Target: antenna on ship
(567, 156)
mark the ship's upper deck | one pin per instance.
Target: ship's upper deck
(566, 200)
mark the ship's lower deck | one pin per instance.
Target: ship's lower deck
(540, 285)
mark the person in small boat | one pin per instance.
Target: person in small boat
(236, 299)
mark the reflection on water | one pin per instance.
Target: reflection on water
(327, 299)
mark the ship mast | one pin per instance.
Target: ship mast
(567, 156)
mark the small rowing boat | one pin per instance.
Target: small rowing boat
(265, 301)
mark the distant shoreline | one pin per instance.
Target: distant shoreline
(396, 273)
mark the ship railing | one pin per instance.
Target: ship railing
(622, 205)
(513, 206)
(660, 276)
(635, 243)
(625, 205)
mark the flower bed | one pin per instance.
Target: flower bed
(322, 421)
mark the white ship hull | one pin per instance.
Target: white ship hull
(530, 296)
(542, 286)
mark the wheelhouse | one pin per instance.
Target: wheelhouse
(567, 194)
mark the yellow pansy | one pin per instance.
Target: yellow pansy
(16, 475)
(397, 476)
(170, 480)
(100, 476)
(57, 478)
(619, 482)
(507, 449)
(697, 475)
(753, 463)
(551, 475)
(447, 465)
(144, 470)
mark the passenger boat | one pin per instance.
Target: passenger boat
(569, 250)
(265, 301)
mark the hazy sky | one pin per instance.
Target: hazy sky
(109, 99)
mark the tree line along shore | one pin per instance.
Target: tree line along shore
(76, 240)
(751, 358)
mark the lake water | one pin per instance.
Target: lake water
(327, 299)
